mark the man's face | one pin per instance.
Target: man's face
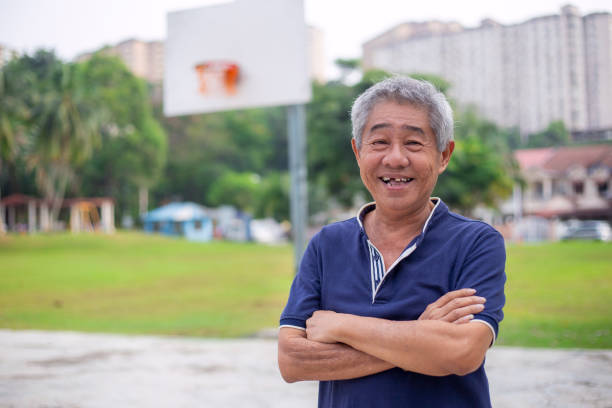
(398, 160)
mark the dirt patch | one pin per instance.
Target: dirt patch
(209, 368)
(82, 359)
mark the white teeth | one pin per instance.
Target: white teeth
(397, 180)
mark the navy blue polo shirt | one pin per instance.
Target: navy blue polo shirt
(342, 271)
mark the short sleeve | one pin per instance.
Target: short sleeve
(484, 270)
(305, 293)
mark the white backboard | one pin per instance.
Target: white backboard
(261, 42)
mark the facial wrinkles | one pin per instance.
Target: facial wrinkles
(396, 157)
(403, 163)
(398, 146)
(399, 150)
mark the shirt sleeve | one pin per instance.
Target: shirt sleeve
(305, 293)
(484, 270)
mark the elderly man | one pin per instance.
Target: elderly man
(397, 306)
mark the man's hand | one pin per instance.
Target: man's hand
(302, 359)
(320, 325)
(458, 306)
(319, 352)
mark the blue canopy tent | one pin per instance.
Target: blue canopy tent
(188, 220)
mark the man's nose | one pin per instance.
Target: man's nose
(396, 156)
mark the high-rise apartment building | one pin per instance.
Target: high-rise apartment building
(144, 58)
(598, 50)
(6, 54)
(316, 54)
(548, 68)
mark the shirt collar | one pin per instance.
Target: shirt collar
(366, 208)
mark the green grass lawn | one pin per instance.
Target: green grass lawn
(135, 283)
(558, 294)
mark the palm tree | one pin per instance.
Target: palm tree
(7, 136)
(65, 131)
(13, 114)
(7, 131)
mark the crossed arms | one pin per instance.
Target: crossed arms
(338, 346)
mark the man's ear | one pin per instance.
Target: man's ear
(355, 150)
(446, 155)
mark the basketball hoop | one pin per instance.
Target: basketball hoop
(217, 77)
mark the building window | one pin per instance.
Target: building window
(558, 187)
(178, 227)
(603, 189)
(538, 189)
(197, 224)
(156, 226)
(578, 187)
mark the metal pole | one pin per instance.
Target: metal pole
(296, 128)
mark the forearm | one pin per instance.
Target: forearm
(427, 347)
(301, 359)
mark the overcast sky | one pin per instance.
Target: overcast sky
(75, 26)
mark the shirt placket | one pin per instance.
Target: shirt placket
(377, 266)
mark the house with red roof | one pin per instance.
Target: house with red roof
(567, 182)
(560, 184)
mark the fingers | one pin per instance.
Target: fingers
(460, 307)
(463, 313)
(454, 306)
(448, 297)
(464, 319)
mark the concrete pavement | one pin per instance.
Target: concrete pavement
(66, 369)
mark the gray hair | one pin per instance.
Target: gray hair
(411, 91)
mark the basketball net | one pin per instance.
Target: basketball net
(217, 77)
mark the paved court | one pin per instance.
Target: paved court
(65, 369)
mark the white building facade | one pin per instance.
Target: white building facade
(527, 75)
(598, 41)
(144, 59)
(6, 54)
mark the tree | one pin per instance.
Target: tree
(469, 123)
(331, 163)
(55, 124)
(347, 67)
(475, 175)
(65, 127)
(556, 134)
(7, 131)
(17, 80)
(202, 148)
(132, 154)
(482, 169)
(10, 105)
(272, 196)
(12, 115)
(84, 128)
(237, 189)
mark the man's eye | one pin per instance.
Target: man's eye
(379, 142)
(413, 144)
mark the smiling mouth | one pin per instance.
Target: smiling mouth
(390, 181)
